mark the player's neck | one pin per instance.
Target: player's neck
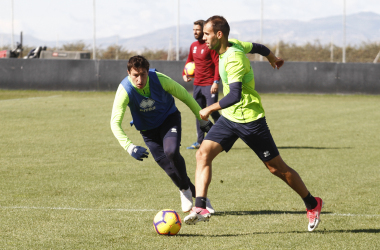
(224, 45)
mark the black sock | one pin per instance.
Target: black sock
(200, 202)
(310, 202)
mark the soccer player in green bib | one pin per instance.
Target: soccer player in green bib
(150, 97)
(242, 117)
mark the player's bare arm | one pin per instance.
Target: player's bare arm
(186, 78)
(274, 61)
(214, 88)
(205, 113)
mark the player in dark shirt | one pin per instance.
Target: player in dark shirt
(206, 77)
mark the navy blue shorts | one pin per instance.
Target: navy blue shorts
(154, 138)
(202, 94)
(255, 134)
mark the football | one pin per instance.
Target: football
(167, 222)
(189, 69)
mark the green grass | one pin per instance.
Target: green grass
(65, 182)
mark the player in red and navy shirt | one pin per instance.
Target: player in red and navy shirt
(206, 77)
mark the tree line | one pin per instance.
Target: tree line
(366, 52)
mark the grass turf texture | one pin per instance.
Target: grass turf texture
(67, 184)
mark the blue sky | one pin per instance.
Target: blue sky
(73, 19)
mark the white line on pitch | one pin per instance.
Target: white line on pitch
(353, 215)
(81, 209)
(30, 98)
(152, 210)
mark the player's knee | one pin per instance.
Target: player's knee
(273, 170)
(201, 155)
(171, 154)
(279, 170)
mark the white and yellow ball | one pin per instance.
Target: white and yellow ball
(189, 69)
(167, 222)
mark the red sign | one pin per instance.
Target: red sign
(3, 54)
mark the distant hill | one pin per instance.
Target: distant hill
(361, 27)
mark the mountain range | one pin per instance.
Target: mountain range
(360, 27)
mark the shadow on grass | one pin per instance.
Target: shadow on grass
(318, 231)
(261, 212)
(306, 147)
(295, 147)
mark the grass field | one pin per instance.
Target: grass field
(66, 183)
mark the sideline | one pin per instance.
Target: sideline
(82, 209)
(30, 98)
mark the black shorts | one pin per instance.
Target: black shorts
(203, 96)
(255, 134)
(154, 138)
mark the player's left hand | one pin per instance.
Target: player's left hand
(275, 61)
(205, 126)
(278, 63)
(214, 88)
(137, 152)
(204, 113)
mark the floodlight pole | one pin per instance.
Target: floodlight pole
(344, 32)
(117, 48)
(177, 50)
(377, 58)
(94, 39)
(261, 25)
(331, 50)
(57, 43)
(12, 38)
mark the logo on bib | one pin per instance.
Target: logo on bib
(147, 105)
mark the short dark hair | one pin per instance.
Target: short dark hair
(219, 23)
(200, 23)
(138, 62)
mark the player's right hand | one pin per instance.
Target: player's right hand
(186, 78)
(137, 152)
(279, 62)
(205, 126)
(275, 61)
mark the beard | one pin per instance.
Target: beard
(199, 37)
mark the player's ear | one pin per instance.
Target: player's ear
(219, 34)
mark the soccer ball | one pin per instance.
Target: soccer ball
(167, 222)
(189, 69)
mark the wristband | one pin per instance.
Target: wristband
(217, 82)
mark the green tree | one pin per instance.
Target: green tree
(76, 46)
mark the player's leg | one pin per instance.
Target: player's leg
(155, 142)
(258, 137)
(211, 99)
(205, 155)
(171, 132)
(280, 169)
(155, 145)
(199, 98)
(313, 204)
(219, 138)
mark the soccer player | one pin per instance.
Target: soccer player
(242, 117)
(149, 95)
(206, 79)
